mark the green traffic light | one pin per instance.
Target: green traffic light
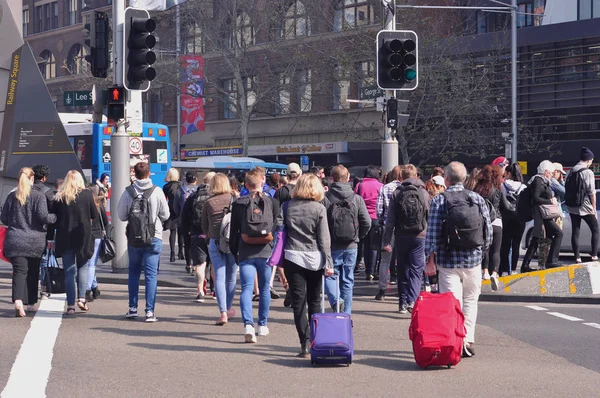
(410, 74)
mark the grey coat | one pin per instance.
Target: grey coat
(26, 235)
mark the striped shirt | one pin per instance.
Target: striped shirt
(446, 257)
(383, 200)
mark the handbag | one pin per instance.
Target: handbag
(550, 212)
(107, 247)
(3, 231)
(55, 275)
(278, 254)
(376, 235)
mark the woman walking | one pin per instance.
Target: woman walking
(489, 186)
(512, 227)
(225, 268)
(99, 228)
(75, 211)
(368, 189)
(171, 190)
(307, 252)
(25, 212)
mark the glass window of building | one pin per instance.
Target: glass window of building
(282, 107)
(305, 91)
(366, 72)
(296, 21)
(47, 65)
(76, 63)
(341, 88)
(25, 22)
(244, 31)
(352, 13)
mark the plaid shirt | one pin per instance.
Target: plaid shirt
(434, 243)
(383, 200)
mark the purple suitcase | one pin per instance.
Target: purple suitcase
(331, 338)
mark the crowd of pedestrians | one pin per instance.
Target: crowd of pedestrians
(448, 230)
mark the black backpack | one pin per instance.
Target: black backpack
(411, 209)
(463, 221)
(491, 209)
(576, 190)
(257, 226)
(342, 217)
(200, 199)
(140, 226)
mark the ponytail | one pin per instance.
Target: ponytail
(24, 187)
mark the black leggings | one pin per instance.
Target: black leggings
(26, 272)
(305, 289)
(592, 222)
(512, 232)
(175, 235)
(491, 260)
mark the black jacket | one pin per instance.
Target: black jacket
(49, 194)
(97, 225)
(541, 193)
(74, 226)
(238, 247)
(187, 214)
(170, 190)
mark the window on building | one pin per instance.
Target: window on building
(244, 31)
(76, 63)
(229, 99)
(305, 91)
(49, 16)
(366, 73)
(47, 65)
(282, 107)
(153, 107)
(482, 22)
(352, 13)
(39, 20)
(589, 9)
(55, 13)
(73, 14)
(525, 15)
(194, 42)
(295, 22)
(341, 88)
(25, 22)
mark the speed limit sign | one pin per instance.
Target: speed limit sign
(135, 146)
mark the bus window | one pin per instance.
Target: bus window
(82, 144)
(156, 150)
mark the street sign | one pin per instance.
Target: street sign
(370, 92)
(135, 146)
(77, 98)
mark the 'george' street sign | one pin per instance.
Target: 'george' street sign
(370, 92)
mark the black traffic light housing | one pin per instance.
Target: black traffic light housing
(99, 43)
(397, 60)
(138, 42)
(116, 102)
(392, 113)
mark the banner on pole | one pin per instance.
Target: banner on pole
(192, 94)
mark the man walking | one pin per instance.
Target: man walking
(407, 217)
(253, 221)
(581, 202)
(455, 243)
(283, 194)
(145, 209)
(349, 222)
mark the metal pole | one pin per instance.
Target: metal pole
(389, 146)
(513, 14)
(119, 145)
(177, 55)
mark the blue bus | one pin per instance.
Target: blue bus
(91, 143)
(229, 165)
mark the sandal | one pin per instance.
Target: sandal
(82, 304)
(19, 313)
(222, 320)
(70, 310)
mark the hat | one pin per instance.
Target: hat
(439, 180)
(559, 167)
(586, 154)
(294, 168)
(500, 161)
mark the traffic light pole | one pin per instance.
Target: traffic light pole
(119, 144)
(389, 146)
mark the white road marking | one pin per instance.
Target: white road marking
(536, 308)
(563, 316)
(30, 372)
(594, 325)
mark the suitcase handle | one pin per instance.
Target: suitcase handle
(337, 302)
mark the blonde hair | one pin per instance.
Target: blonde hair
(208, 177)
(24, 187)
(309, 186)
(172, 175)
(71, 187)
(219, 185)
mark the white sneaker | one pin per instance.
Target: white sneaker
(504, 274)
(263, 330)
(486, 276)
(249, 334)
(494, 282)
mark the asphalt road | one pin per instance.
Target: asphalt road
(520, 352)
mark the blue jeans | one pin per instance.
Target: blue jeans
(75, 277)
(146, 257)
(92, 283)
(411, 264)
(225, 275)
(248, 270)
(343, 266)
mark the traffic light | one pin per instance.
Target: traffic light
(116, 103)
(138, 44)
(397, 60)
(392, 113)
(98, 42)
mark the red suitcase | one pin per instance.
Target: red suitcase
(437, 330)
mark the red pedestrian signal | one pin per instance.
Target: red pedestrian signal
(116, 103)
(116, 96)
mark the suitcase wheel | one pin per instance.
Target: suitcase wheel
(449, 366)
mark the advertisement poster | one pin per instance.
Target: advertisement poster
(192, 94)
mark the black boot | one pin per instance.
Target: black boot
(181, 256)
(304, 352)
(95, 292)
(172, 259)
(529, 255)
(381, 295)
(88, 296)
